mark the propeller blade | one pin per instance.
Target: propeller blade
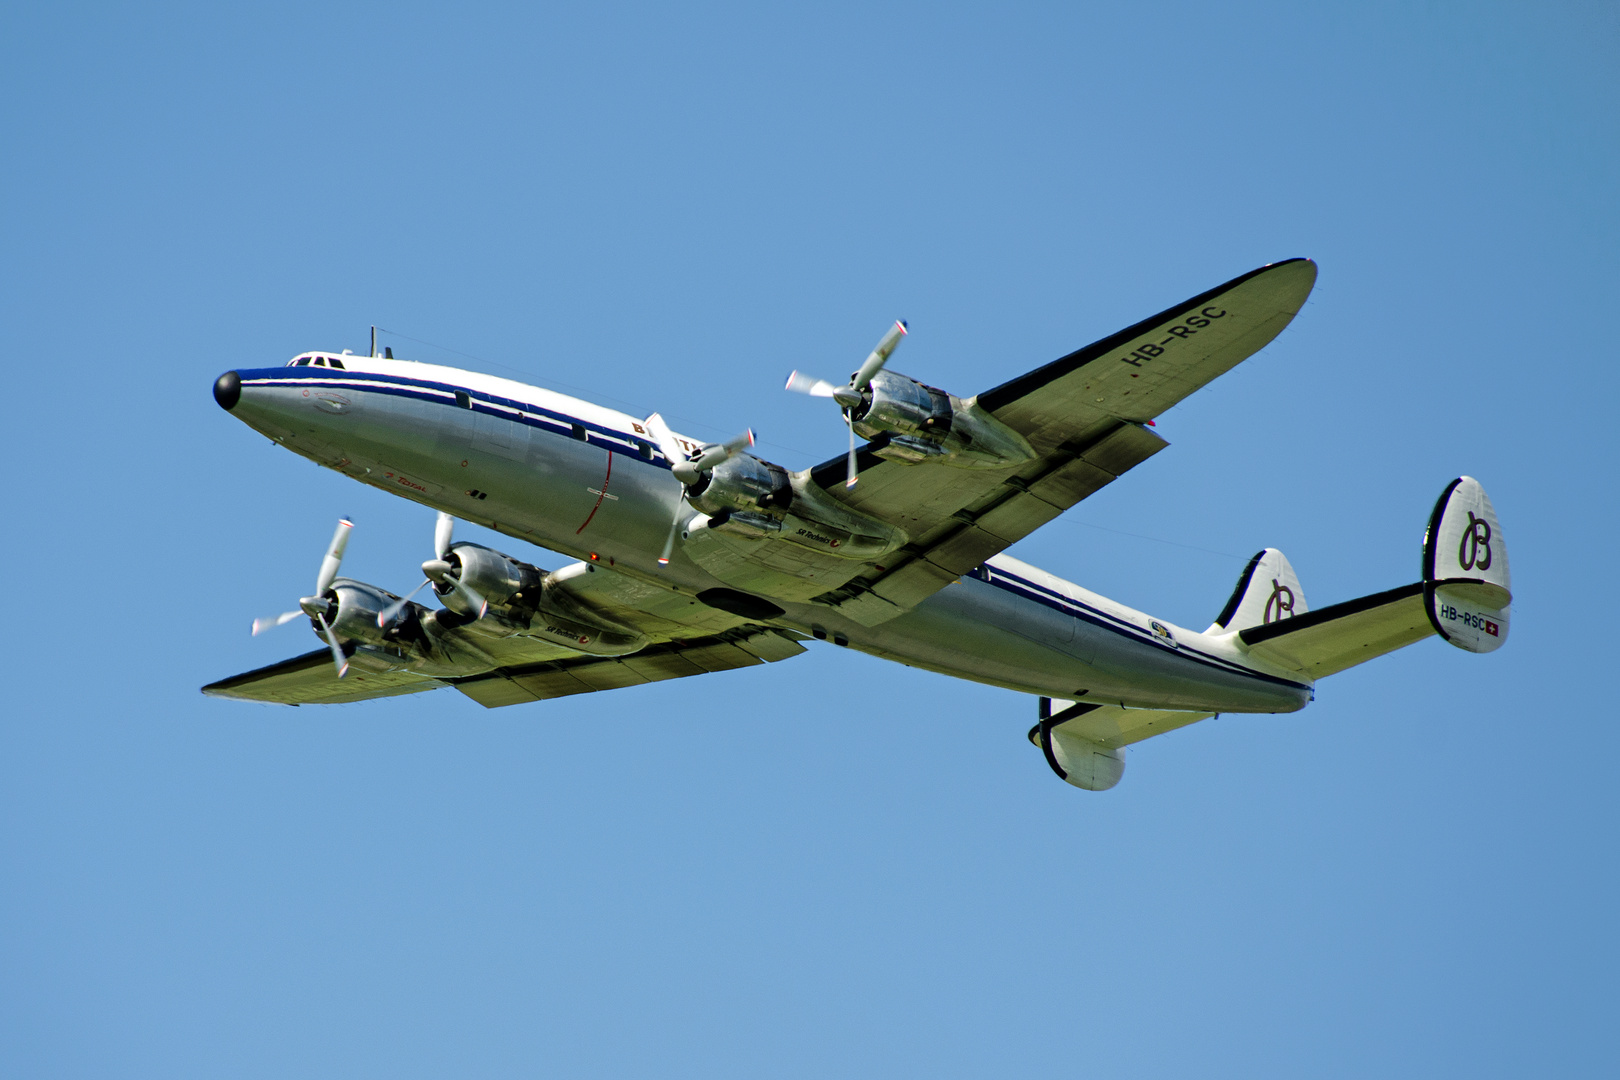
(443, 530)
(391, 612)
(669, 541)
(334, 557)
(711, 456)
(800, 383)
(879, 357)
(469, 596)
(667, 445)
(849, 482)
(338, 659)
(261, 625)
(437, 570)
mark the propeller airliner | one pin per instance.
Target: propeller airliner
(687, 557)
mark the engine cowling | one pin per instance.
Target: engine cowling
(908, 421)
(900, 405)
(352, 610)
(742, 484)
(500, 579)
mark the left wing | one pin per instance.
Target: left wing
(1085, 415)
(745, 646)
(310, 680)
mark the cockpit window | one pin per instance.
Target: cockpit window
(332, 361)
(320, 361)
(303, 361)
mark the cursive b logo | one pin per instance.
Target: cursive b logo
(1475, 550)
(1280, 604)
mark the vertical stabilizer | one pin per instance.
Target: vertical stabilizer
(1467, 589)
(1267, 592)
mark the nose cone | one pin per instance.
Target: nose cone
(228, 390)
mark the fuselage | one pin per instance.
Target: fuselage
(589, 482)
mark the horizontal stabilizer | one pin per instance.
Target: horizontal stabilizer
(1333, 638)
(1084, 743)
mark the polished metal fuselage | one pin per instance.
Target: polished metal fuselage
(586, 481)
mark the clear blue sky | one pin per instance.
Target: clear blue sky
(834, 866)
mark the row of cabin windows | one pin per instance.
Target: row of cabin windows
(463, 400)
(316, 361)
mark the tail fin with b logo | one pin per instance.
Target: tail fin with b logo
(1268, 591)
(1466, 587)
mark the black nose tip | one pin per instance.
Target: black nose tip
(228, 390)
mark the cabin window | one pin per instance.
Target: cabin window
(463, 400)
(577, 431)
(645, 449)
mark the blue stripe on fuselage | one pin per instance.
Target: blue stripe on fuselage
(521, 412)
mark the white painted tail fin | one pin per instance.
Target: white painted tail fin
(1466, 586)
(1267, 592)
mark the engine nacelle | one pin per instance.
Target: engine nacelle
(354, 610)
(911, 422)
(902, 406)
(741, 485)
(500, 579)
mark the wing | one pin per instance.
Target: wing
(1331, 639)
(1085, 416)
(744, 646)
(310, 680)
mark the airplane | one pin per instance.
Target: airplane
(691, 557)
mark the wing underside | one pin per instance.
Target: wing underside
(744, 647)
(310, 680)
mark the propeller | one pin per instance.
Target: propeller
(688, 470)
(849, 397)
(318, 606)
(438, 571)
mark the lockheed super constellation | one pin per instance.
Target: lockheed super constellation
(689, 557)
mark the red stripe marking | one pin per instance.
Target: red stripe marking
(599, 497)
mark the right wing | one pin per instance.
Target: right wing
(1085, 416)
